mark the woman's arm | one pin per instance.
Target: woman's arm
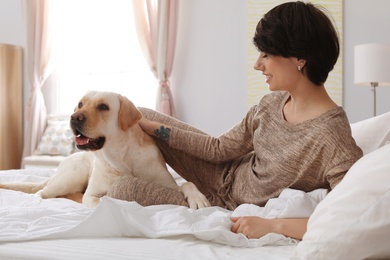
(155, 129)
(256, 227)
(236, 142)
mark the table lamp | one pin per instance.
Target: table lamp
(372, 66)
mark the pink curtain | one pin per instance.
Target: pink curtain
(38, 50)
(156, 22)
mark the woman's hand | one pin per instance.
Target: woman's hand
(256, 227)
(253, 227)
(149, 126)
(146, 125)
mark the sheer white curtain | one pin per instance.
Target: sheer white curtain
(99, 50)
(38, 15)
(156, 22)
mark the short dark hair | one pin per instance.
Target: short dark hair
(302, 30)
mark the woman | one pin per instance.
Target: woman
(296, 137)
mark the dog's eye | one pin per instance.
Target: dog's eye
(80, 105)
(103, 107)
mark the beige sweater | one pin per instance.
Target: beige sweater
(265, 154)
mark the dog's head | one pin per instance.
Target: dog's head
(100, 116)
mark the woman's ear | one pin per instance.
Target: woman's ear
(301, 63)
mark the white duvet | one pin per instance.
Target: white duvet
(28, 217)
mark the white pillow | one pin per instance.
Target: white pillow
(353, 221)
(372, 133)
(57, 138)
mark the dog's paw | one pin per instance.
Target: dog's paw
(39, 194)
(91, 201)
(45, 194)
(195, 199)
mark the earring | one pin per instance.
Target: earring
(299, 67)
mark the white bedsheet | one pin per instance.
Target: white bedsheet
(26, 217)
(185, 247)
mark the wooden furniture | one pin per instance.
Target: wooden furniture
(11, 104)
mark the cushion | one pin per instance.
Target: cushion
(57, 138)
(372, 133)
(353, 222)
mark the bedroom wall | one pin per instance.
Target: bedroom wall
(364, 22)
(210, 71)
(11, 26)
(215, 38)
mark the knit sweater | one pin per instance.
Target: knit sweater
(265, 154)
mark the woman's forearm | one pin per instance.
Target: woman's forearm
(155, 129)
(256, 227)
(291, 227)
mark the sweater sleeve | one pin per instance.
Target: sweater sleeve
(234, 143)
(344, 154)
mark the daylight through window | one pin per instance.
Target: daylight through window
(98, 49)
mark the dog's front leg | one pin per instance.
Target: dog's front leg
(91, 201)
(93, 193)
(71, 176)
(194, 197)
(98, 185)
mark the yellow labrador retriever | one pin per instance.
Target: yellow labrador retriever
(106, 128)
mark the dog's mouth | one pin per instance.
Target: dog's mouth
(85, 143)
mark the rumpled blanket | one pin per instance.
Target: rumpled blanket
(28, 217)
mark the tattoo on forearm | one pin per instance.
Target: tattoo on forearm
(163, 133)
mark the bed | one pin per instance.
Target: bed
(350, 222)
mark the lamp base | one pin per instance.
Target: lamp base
(373, 88)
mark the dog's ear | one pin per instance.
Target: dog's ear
(129, 115)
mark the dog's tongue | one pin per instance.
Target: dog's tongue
(81, 140)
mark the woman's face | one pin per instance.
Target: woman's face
(280, 73)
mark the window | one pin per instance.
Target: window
(98, 49)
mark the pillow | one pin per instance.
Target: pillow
(353, 222)
(372, 133)
(57, 139)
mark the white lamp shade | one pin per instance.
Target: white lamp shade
(372, 64)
